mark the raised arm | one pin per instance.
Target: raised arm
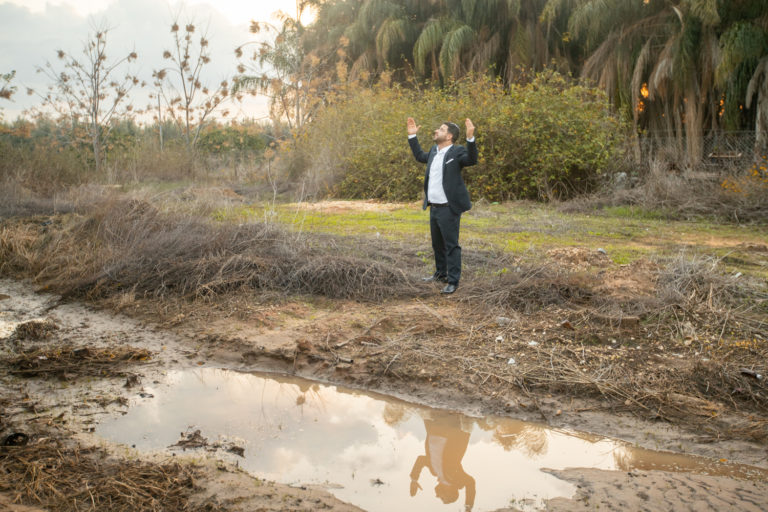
(470, 157)
(419, 154)
(413, 129)
(470, 128)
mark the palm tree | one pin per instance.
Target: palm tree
(664, 61)
(743, 70)
(441, 39)
(286, 72)
(667, 51)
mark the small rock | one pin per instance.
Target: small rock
(602, 251)
(511, 360)
(503, 321)
(499, 339)
(533, 343)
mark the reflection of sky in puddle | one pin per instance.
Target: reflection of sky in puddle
(298, 432)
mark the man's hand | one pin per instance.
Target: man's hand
(412, 128)
(470, 128)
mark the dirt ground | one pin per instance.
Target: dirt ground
(665, 355)
(329, 343)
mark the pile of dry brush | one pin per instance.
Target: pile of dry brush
(121, 246)
(685, 195)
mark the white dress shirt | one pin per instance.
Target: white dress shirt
(435, 191)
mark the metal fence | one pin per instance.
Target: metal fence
(720, 150)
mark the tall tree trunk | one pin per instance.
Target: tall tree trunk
(96, 142)
(693, 130)
(679, 134)
(761, 123)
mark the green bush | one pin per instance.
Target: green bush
(551, 138)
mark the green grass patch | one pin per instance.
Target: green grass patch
(626, 233)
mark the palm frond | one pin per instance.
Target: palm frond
(585, 20)
(392, 32)
(468, 11)
(705, 11)
(637, 75)
(429, 40)
(363, 64)
(709, 57)
(551, 10)
(601, 58)
(375, 12)
(485, 53)
(450, 53)
(760, 77)
(520, 50)
(359, 37)
(663, 71)
(743, 41)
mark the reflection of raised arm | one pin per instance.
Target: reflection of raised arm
(421, 461)
(469, 499)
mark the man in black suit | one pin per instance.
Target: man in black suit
(445, 194)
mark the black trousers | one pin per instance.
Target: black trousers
(444, 227)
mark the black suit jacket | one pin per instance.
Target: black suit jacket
(455, 159)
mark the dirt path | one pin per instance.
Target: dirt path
(333, 344)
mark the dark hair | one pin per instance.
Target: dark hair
(453, 129)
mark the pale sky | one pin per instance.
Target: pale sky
(31, 31)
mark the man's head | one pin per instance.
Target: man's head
(446, 132)
(446, 492)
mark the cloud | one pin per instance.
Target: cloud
(30, 39)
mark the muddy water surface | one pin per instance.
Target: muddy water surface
(378, 452)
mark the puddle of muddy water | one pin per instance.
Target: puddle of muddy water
(377, 452)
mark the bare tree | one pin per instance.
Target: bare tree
(282, 70)
(88, 90)
(188, 100)
(6, 89)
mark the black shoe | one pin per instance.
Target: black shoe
(449, 288)
(435, 279)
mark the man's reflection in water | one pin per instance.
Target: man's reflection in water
(445, 446)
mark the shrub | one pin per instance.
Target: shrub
(548, 139)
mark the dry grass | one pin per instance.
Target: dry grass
(34, 330)
(70, 362)
(62, 478)
(124, 246)
(531, 288)
(681, 195)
